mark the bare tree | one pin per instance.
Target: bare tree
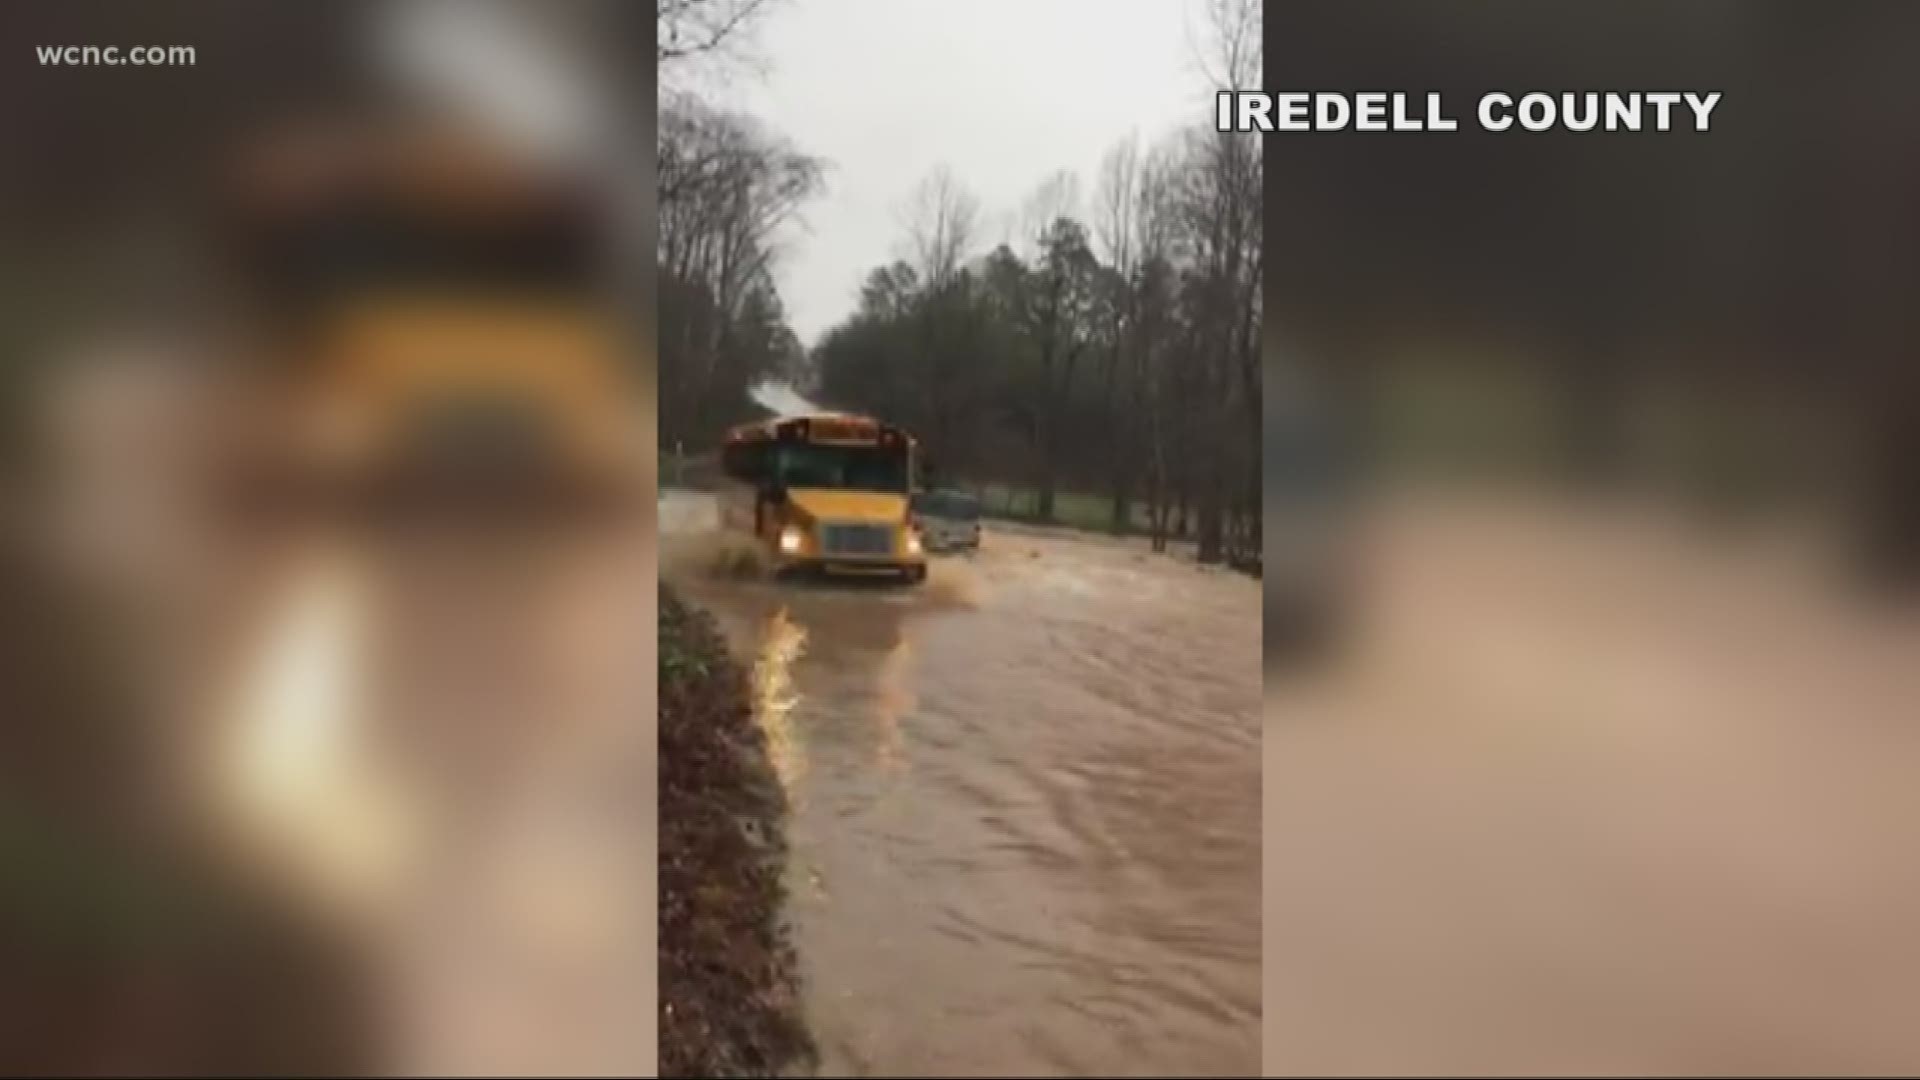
(727, 189)
(1156, 220)
(1223, 206)
(690, 28)
(1111, 352)
(1057, 197)
(1116, 204)
(1230, 54)
(942, 221)
(1155, 223)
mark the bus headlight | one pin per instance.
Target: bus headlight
(913, 542)
(791, 539)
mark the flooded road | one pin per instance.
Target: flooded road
(443, 743)
(1026, 804)
(487, 797)
(1596, 794)
(434, 734)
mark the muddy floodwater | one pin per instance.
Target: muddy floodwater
(434, 733)
(1597, 795)
(445, 743)
(1026, 833)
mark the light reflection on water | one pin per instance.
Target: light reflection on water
(298, 775)
(774, 697)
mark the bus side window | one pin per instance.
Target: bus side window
(745, 461)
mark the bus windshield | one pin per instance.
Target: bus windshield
(358, 248)
(842, 468)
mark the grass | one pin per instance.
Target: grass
(697, 471)
(1074, 509)
(1719, 446)
(729, 988)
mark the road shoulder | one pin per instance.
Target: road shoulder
(729, 1001)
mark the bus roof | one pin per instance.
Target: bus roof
(769, 427)
(312, 167)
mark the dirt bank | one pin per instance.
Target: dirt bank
(728, 985)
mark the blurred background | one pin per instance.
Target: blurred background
(326, 647)
(1592, 511)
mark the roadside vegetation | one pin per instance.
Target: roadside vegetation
(1087, 511)
(729, 989)
(1110, 348)
(1706, 319)
(729, 983)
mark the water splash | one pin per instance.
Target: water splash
(953, 583)
(775, 696)
(781, 399)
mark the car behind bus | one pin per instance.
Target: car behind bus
(1310, 527)
(949, 519)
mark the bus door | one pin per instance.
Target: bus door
(744, 464)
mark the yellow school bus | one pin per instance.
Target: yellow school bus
(436, 307)
(825, 491)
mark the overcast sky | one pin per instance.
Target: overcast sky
(1004, 91)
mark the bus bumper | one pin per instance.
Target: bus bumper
(912, 570)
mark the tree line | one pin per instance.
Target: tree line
(727, 186)
(1110, 351)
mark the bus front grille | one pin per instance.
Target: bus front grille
(856, 539)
